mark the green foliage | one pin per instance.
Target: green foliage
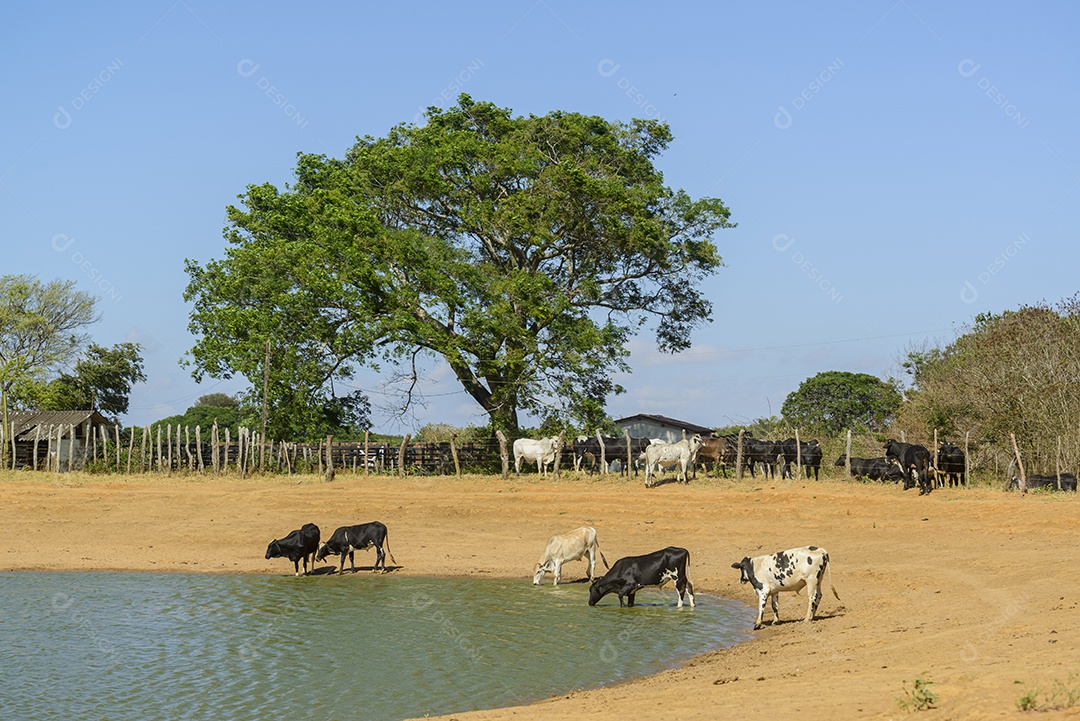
(833, 401)
(102, 381)
(1014, 372)
(1062, 695)
(522, 251)
(40, 329)
(919, 697)
(219, 400)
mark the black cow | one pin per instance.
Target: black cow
(296, 547)
(614, 450)
(633, 573)
(1068, 482)
(915, 462)
(809, 452)
(950, 463)
(348, 539)
(876, 469)
(763, 452)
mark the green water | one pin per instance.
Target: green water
(140, 646)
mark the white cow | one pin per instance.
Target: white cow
(683, 453)
(571, 546)
(790, 570)
(541, 452)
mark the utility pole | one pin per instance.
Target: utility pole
(266, 391)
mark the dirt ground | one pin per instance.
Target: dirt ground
(973, 589)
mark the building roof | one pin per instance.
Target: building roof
(27, 421)
(664, 420)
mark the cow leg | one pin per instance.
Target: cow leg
(591, 557)
(775, 608)
(685, 587)
(558, 572)
(380, 559)
(352, 560)
(341, 565)
(296, 567)
(630, 599)
(762, 600)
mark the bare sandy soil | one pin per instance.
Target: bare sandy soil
(975, 590)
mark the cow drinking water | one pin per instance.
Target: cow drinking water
(349, 539)
(296, 547)
(631, 574)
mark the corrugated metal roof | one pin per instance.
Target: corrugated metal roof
(690, 427)
(26, 421)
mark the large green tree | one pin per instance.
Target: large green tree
(41, 328)
(837, 400)
(522, 251)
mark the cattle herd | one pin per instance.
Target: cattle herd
(789, 571)
(910, 463)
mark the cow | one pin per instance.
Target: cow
(876, 469)
(950, 463)
(789, 570)
(914, 461)
(542, 452)
(1068, 482)
(718, 451)
(629, 575)
(806, 452)
(683, 453)
(348, 539)
(763, 452)
(296, 547)
(571, 546)
(614, 450)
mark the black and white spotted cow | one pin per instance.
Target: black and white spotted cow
(296, 547)
(790, 570)
(631, 574)
(348, 539)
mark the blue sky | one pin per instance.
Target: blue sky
(894, 167)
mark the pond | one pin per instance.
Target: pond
(144, 646)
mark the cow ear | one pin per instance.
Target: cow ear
(736, 565)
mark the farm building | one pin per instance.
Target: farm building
(666, 429)
(68, 431)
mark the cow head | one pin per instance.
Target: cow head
(841, 460)
(596, 592)
(272, 550)
(746, 567)
(322, 553)
(538, 573)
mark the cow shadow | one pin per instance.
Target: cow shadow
(332, 570)
(818, 618)
(657, 482)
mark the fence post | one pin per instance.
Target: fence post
(198, 446)
(1057, 463)
(453, 452)
(116, 433)
(967, 458)
(160, 458)
(629, 454)
(798, 456)
(401, 455)
(37, 438)
(603, 454)
(503, 455)
(738, 457)
(1019, 464)
(329, 458)
(366, 453)
(847, 455)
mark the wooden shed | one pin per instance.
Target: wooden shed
(666, 429)
(58, 437)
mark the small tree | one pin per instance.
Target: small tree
(835, 400)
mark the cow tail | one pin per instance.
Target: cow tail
(386, 540)
(602, 558)
(831, 586)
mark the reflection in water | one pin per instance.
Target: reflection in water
(173, 646)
